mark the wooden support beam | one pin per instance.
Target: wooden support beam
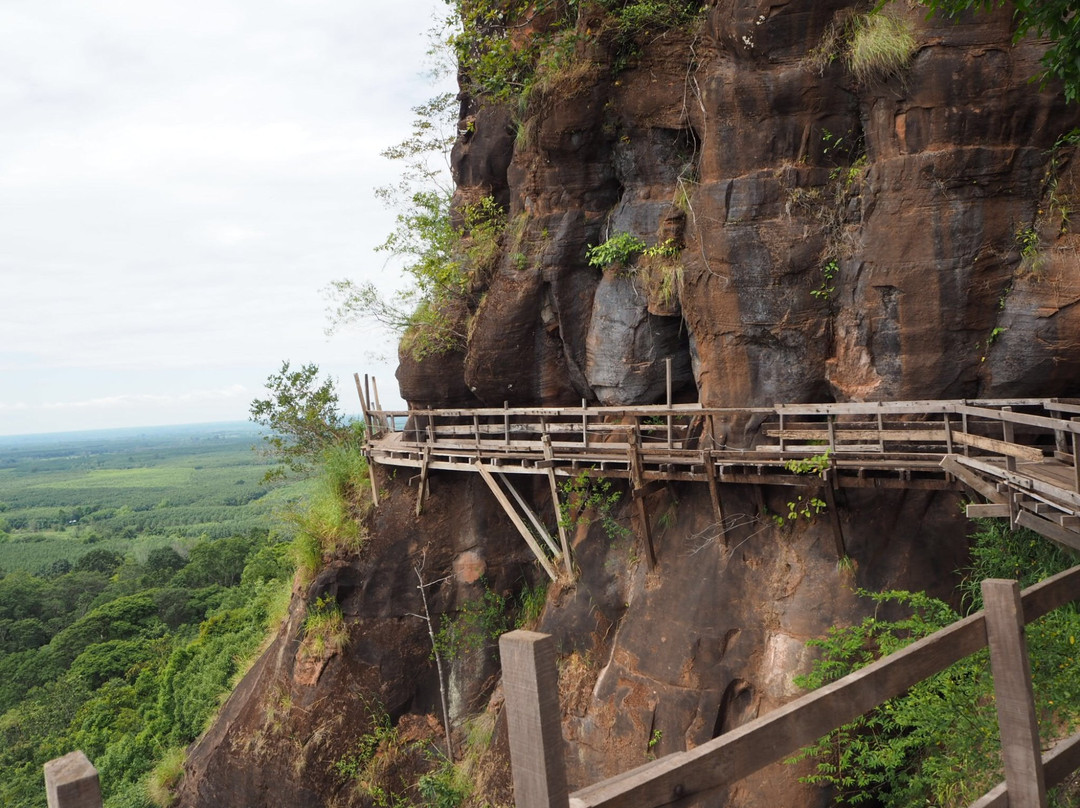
(646, 528)
(1020, 747)
(71, 781)
(422, 492)
(834, 514)
(714, 495)
(516, 519)
(531, 688)
(549, 464)
(1051, 530)
(972, 480)
(541, 531)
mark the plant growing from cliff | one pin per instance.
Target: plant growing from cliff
(1054, 20)
(585, 499)
(816, 464)
(829, 270)
(476, 627)
(325, 632)
(874, 46)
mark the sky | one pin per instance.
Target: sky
(179, 183)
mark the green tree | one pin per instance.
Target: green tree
(1056, 20)
(303, 417)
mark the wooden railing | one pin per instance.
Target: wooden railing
(539, 778)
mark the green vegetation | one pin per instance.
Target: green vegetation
(379, 766)
(1054, 20)
(586, 499)
(303, 419)
(128, 660)
(817, 464)
(132, 621)
(938, 743)
(874, 46)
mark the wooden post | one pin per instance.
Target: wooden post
(667, 367)
(948, 435)
(533, 717)
(549, 456)
(1020, 748)
(584, 425)
(964, 429)
(506, 422)
(1010, 437)
(363, 406)
(881, 433)
(714, 494)
(1076, 458)
(71, 781)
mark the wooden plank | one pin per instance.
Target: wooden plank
(972, 480)
(1013, 695)
(842, 434)
(1029, 453)
(991, 511)
(531, 688)
(1023, 481)
(1050, 530)
(518, 523)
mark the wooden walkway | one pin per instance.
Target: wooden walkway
(1019, 455)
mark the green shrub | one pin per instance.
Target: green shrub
(619, 250)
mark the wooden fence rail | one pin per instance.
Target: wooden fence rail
(772, 737)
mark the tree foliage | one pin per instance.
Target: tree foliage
(1055, 20)
(303, 416)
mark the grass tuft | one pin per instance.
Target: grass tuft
(880, 46)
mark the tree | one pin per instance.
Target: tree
(1055, 20)
(303, 416)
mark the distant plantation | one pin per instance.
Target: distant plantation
(62, 497)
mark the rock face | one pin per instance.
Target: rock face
(893, 236)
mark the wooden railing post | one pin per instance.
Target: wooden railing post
(531, 689)
(1020, 748)
(71, 781)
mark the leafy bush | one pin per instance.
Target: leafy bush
(619, 250)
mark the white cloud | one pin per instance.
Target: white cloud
(179, 180)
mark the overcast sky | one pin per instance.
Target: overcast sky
(179, 181)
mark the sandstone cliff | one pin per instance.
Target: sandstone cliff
(902, 235)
